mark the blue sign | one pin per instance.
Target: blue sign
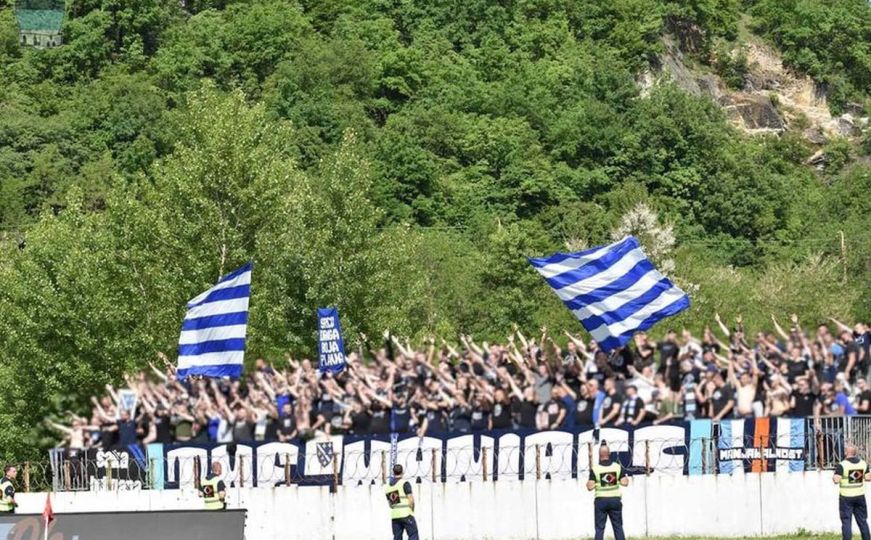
(331, 348)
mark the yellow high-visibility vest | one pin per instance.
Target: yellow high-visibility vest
(211, 496)
(7, 504)
(400, 506)
(852, 482)
(607, 479)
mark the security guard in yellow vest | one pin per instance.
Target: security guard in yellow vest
(213, 490)
(850, 476)
(606, 478)
(7, 490)
(401, 503)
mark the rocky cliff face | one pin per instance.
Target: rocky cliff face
(772, 100)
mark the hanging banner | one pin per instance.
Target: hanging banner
(695, 448)
(128, 399)
(762, 445)
(331, 348)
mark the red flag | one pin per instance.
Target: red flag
(47, 516)
(48, 513)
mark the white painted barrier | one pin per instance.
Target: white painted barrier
(659, 505)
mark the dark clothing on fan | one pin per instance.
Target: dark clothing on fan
(361, 422)
(380, 424)
(795, 370)
(400, 420)
(107, 436)
(243, 431)
(630, 408)
(620, 361)
(720, 398)
(667, 350)
(608, 404)
(126, 433)
(287, 425)
(480, 419)
(584, 412)
(864, 396)
(553, 408)
(461, 419)
(436, 420)
(804, 404)
(501, 415)
(163, 429)
(524, 413)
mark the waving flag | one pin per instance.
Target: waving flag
(212, 341)
(613, 290)
(47, 516)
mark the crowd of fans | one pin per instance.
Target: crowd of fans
(526, 383)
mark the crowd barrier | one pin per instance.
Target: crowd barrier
(141, 525)
(659, 505)
(697, 447)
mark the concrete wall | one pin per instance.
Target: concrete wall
(40, 38)
(659, 505)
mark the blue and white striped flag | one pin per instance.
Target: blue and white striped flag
(212, 341)
(613, 290)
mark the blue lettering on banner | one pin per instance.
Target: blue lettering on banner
(331, 348)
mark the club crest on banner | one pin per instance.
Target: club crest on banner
(325, 453)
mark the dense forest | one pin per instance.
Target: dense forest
(399, 159)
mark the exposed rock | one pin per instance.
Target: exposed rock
(645, 81)
(814, 136)
(854, 109)
(672, 65)
(710, 85)
(818, 160)
(799, 99)
(847, 127)
(754, 112)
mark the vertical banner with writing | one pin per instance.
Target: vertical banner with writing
(394, 450)
(331, 348)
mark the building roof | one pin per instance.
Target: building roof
(39, 19)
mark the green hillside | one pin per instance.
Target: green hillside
(399, 158)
